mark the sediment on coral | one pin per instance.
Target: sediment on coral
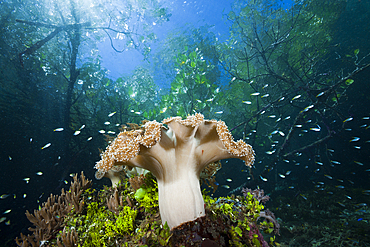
(49, 220)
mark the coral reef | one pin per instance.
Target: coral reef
(176, 155)
(49, 219)
(259, 195)
(124, 216)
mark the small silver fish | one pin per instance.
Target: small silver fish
(274, 132)
(46, 145)
(263, 179)
(111, 114)
(320, 94)
(296, 97)
(219, 112)
(303, 196)
(341, 204)
(77, 132)
(39, 173)
(347, 119)
(358, 163)
(255, 94)
(307, 108)
(101, 131)
(107, 123)
(4, 196)
(7, 211)
(58, 129)
(89, 139)
(355, 139)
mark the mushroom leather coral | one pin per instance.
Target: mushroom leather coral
(175, 155)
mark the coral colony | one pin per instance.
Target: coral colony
(163, 207)
(175, 155)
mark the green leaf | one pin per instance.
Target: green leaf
(193, 64)
(197, 77)
(349, 81)
(192, 55)
(130, 91)
(356, 51)
(239, 231)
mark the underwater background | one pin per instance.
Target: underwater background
(290, 78)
